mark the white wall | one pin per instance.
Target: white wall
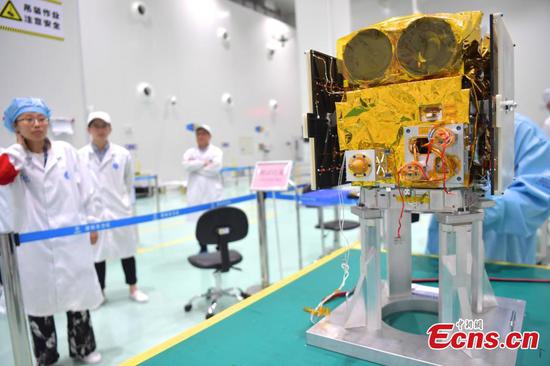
(527, 21)
(177, 51)
(40, 67)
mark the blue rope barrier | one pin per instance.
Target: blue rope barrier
(281, 196)
(236, 168)
(112, 224)
(144, 177)
(105, 225)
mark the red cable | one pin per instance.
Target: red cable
(444, 146)
(429, 145)
(402, 208)
(401, 214)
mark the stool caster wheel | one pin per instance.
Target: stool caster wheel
(188, 308)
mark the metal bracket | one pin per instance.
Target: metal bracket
(364, 212)
(466, 218)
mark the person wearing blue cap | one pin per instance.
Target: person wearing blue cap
(52, 190)
(510, 227)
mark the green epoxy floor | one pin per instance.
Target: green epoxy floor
(272, 330)
(124, 328)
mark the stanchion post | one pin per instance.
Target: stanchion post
(17, 320)
(299, 228)
(157, 197)
(262, 227)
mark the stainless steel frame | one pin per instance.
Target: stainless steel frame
(464, 291)
(17, 319)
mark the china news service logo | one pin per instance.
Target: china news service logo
(468, 334)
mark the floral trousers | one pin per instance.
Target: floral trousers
(80, 335)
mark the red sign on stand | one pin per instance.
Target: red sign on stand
(271, 176)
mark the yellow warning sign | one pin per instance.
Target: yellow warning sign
(9, 12)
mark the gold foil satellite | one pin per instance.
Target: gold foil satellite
(409, 107)
(408, 48)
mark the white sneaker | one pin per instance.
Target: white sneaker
(139, 296)
(92, 358)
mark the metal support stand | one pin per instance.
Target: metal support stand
(17, 319)
(357, 328)
(399, 252)
(336, 242)
(157, 193)
(262, 235)
(299, 228)
(478, 265)
(369, 221)
(321, 220)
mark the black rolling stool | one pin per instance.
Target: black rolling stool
(219, 226)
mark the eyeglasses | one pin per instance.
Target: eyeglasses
(29, 120)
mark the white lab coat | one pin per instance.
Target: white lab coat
(204, 183)
(6, 208)
(6, 224)
(114, 176)
(57, 275)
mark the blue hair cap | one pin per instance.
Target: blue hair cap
(19, 106)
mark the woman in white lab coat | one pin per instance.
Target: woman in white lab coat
(6, 220)
(6, 226)
(203, 165)
(52, 191)
(112, 168)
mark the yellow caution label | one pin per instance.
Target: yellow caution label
(10, 12)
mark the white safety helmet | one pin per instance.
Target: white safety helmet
(104, 116)
(204, 127)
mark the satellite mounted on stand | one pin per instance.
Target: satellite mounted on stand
(418, 111)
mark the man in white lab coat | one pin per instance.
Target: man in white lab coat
(203, 165)
(111, 166)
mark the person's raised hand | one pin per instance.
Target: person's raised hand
(93, 237)
(21, 140)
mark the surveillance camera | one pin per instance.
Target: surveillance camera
(273, 104)
(145, 91)
(222, 34)
(139, 10)
(227, 99)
